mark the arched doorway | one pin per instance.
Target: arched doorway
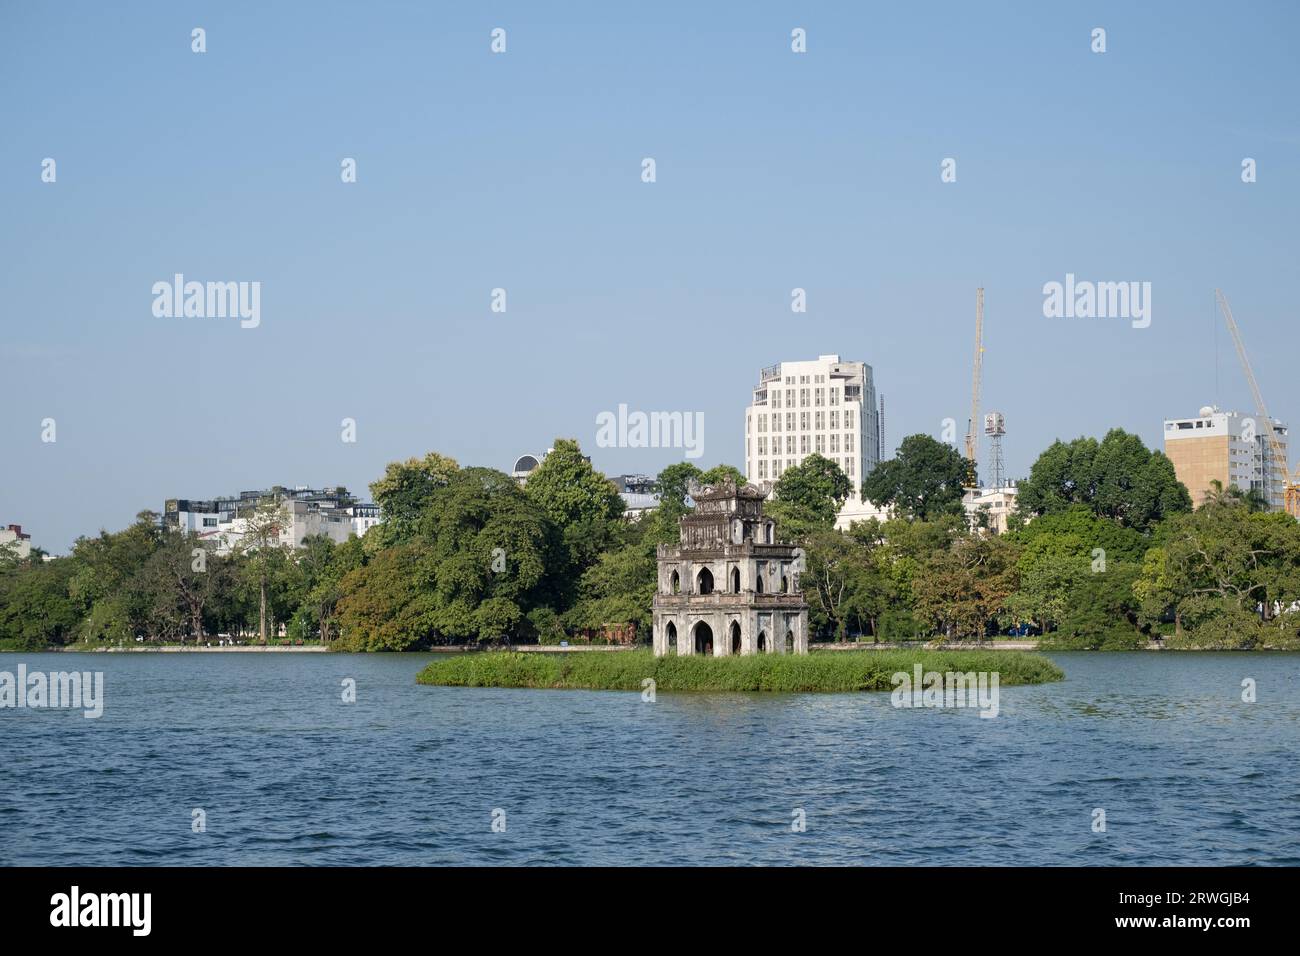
(670, 633)
(735, 580)
(703, 639)
(789, 642)
(735, 638)
(704, 582)
(676, 582)
(758, 581)
(762, 643)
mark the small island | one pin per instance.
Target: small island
(793, 673)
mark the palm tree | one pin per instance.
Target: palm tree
(1253, 500)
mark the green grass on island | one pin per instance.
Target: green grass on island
(838, 671)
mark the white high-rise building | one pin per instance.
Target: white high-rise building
(825, 406)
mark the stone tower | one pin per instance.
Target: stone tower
(728, 587)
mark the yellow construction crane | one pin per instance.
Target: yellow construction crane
(1279, 465)
(972, 433)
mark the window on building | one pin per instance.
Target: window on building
(835, 396)
(803, 444)
(835, 419)
(848, 441)
(835, 442)
(819, 447)
(803, 421)
(848, 418)
(803, 398)
(819, 396)
(789, 444)
(820, 418)
(776, 398)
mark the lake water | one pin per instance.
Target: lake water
(287, 773)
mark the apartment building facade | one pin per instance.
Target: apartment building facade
(1230, 448)
(825, 406)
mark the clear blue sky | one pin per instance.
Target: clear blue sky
(522, 170)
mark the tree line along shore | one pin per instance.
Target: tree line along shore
(1104, 552)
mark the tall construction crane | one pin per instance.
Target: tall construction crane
(1278, 465)
(972, 426)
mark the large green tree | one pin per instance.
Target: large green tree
(923, 481)
(960, 591)
(581, 502)
(102, 568)
(673, 487)
(389, 603)
(1223, 567)
(35, 608)
(1118, 478)
(847, 582)
(808, 496)
(176, 584)
(404, 492)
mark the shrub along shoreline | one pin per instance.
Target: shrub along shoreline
(845, 671)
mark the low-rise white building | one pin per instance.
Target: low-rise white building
(856, 508)
(331, 512)
(14, 543)
(996, 504)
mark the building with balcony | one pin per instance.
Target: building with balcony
(826, 406)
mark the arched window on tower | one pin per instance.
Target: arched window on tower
(676, 583)
(735, 580)
(704, 582)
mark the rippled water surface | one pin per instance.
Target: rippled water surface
(287, 773)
